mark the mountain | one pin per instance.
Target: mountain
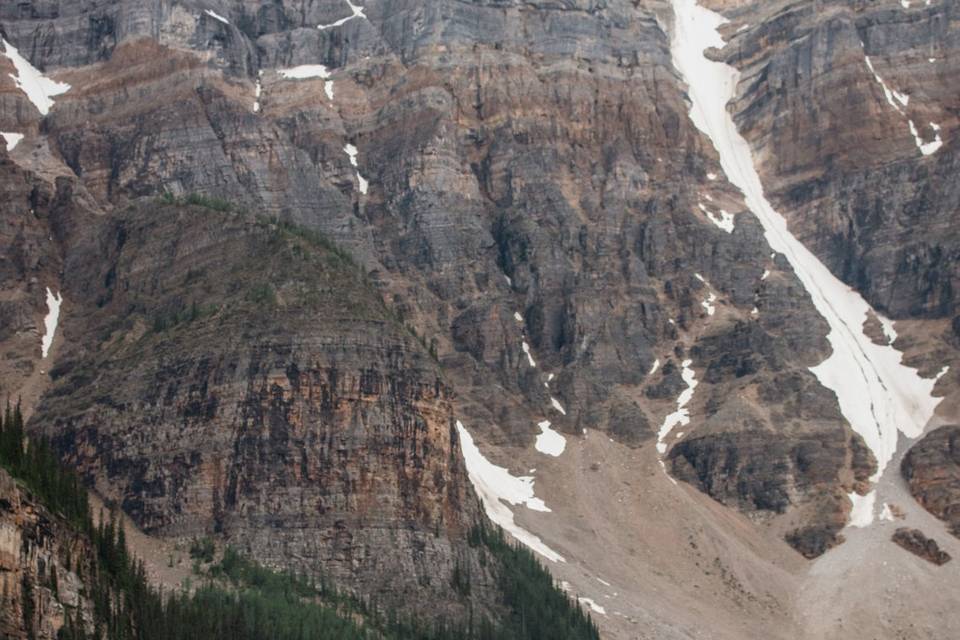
(666, 290)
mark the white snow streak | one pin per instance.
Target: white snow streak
(351, 151)
(927, 148)
(517, 316)
(725, 221)
(593, 605)
(893, 98)
(257, 90)
(549, 441)
(50, 321)
(12, 139)
(656, 365)
(526, 350)
(216, 16)
(357, 13)
(877, 393)
(495, 486)
(682, 415)
(556, 405)
(39, 88)
(861, 515)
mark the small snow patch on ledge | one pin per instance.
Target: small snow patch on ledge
(549, 441)
(12, 139)
(304, 71)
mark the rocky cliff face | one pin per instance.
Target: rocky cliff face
(533, 222)
(516, 159)
(40, 567)
(241, 378)
(851, 108)
(932, 471)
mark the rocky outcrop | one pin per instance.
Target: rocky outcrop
(914, 541)
(42, 561)
(932, 471)
(227, 375)
(843, 103)
(241, 378)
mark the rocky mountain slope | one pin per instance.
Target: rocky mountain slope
(298, 242)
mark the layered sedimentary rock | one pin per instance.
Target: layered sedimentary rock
(932, 470)
(226, 375)
(42, 561)
(851, 108)
(220, 374)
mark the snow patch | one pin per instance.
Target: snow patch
(216, 16)
(877, 393)
(257, 91)
(549, 441)
(899, 101)
(603, 582)
(496, 486)
(681, 416)
(351, 151)
(556, 405)
(711, 176)
(39, 88)
(304, 71)
(357, 13)
(725, 221)
(526, 350)
(593, 605)
(926, 148)
(766, 274)
(708, 304)
(656, 365)
(12, 139)
(861, 515)
(886, 513)
(50, 321)
(517, 316)
(893, 97)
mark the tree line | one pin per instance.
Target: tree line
(241, 600)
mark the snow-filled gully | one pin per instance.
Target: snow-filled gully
(877, 393)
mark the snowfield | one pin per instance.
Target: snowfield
(877, 393)
(496, 486)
